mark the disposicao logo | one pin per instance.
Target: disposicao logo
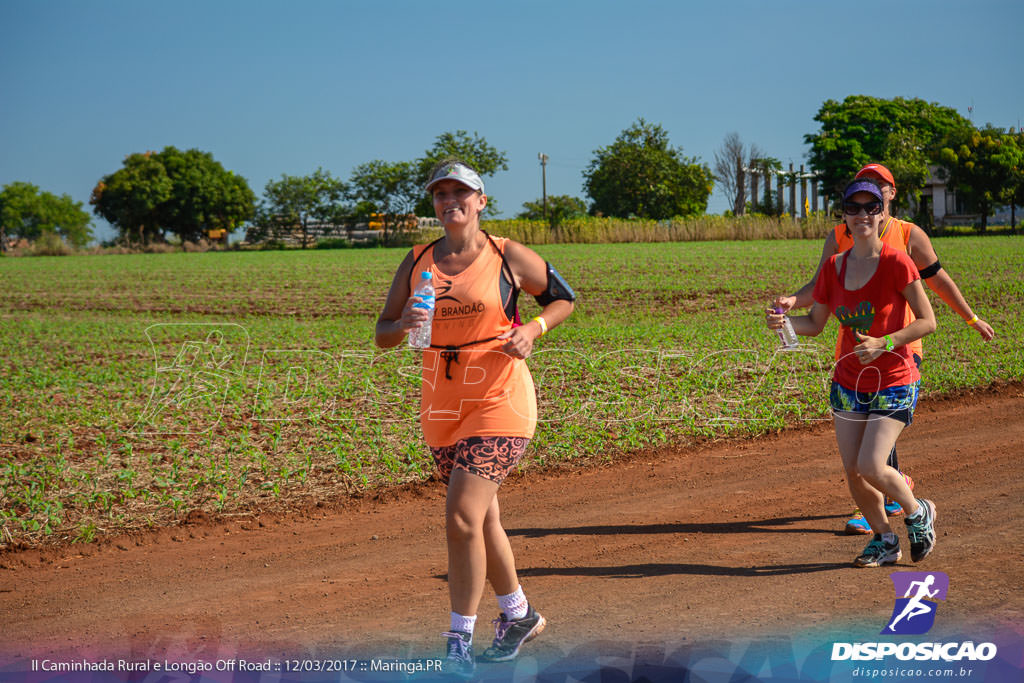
(917, 596)
(914, 612)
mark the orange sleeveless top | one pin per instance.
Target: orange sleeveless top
(896, 234)
(477, 389)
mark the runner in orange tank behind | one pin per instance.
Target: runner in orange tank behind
(909, 238)
(479, 407)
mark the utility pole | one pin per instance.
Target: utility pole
(544, 181)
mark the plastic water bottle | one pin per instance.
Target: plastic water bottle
(419, 338)
(786, 333)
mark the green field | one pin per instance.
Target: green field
(136, 390)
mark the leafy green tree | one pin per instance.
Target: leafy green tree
(1015, 192)
(981, 166)
(903, 134)
(474, 150)
(641, 175)
(129, 198)
(299, 202)
(185, 192)
(203, 197)
(67, 218)
(561, 207)
(19, 212)
(390, 190)
(27, 213)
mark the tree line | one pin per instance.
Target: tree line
(189, 195)
(913, 138)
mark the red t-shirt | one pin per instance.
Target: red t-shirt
(896, 234)
(876, 309)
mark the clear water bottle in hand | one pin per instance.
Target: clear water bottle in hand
(786, 333)
(419, 338)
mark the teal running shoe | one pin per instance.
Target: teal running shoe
(921, 530)
(878, 552)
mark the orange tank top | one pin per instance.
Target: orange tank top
(472, 388)
(896, 234)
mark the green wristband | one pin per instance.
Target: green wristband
(889, 344)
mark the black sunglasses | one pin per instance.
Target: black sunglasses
(872, 208)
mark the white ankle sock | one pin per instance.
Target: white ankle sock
(463, 623)
(917, 513)
(889, 538)
(514, 605)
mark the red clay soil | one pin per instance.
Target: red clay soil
(740, 537)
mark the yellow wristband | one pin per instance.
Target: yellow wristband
(972, 321)
(543, 325)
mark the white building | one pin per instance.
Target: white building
(948, 209)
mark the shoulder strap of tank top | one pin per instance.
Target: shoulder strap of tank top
(887, 227)
(512, 307)
(416, 260)
(504, 262)
(906, 227)
(450, 352)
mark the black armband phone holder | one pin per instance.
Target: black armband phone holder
(557, 289)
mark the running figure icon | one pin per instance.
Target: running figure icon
(916, 607)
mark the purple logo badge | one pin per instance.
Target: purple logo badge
(917, 594)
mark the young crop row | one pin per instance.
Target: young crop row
(137, 390)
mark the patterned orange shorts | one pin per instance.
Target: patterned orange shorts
(490, 457)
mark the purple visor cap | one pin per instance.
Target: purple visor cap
(862, 186)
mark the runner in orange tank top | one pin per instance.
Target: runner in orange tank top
(479, 408)
(478, 389)
(911, 239)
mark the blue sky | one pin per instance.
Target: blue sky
(274, 87)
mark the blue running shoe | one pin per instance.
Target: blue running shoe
(892, 508)
(857, 525)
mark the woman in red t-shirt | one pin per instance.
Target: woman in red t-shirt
(875, 379)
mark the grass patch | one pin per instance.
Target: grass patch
(138, 389)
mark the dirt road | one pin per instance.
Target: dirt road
(738, 539)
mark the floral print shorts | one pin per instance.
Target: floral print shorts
(490, 457)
